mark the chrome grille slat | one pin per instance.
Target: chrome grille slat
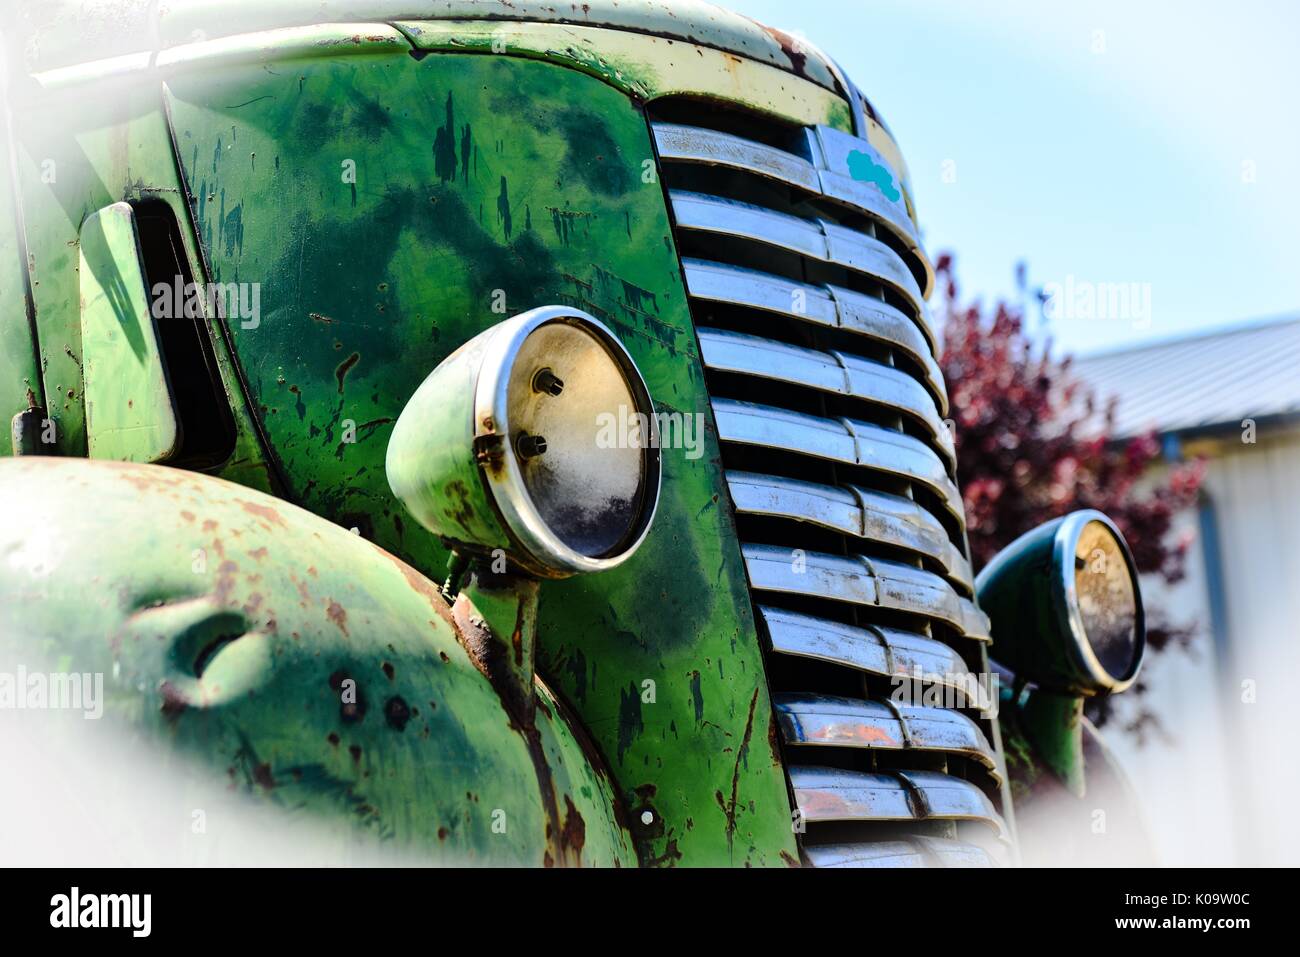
(695, 144)
(919, 851)
(862, 513)
(838, 440)
(831, 151)
(812, 720)
(830, 794)
(813, 239)
(820, 794)
(828, 306)
(887, 652)
(860, 580)
(834, 372)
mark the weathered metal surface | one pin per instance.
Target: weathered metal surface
(835, 372)
(644, 66)
(496, 618)
(29, 431)
(862, 513)
(317, 672)
(832, 794)
(843, 440)
(101, 151)
(430, 462)
(861, 580)
(1053, 725)
(486, 186)
(814, 239)
(826, 306)
(130, 412)
(20, 382)
(920, 851)
(828, 163)
(70, 31)
(888, 652)
(809, 720)
(646, 48)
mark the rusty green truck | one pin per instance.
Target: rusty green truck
(512, 433)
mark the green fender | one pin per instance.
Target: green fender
(230, 627)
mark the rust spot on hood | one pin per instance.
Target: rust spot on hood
(345, 367)
(262, 775)
(792, 48)
(574, 833)
(337, 614)
(422, 586)
(265, 512)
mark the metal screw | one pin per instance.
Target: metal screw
(548, 382)
(530, 446)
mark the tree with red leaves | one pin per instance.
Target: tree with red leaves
(1032, 445)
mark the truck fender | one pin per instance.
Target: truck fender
(301, 665)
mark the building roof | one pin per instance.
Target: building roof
(1198, 382)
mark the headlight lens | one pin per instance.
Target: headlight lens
(1108, 608)
(563, 385)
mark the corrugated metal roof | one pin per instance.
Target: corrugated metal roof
(1251, 371)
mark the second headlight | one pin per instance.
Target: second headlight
(1066, 607)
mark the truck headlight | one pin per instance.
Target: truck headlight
(536, 437)
(1065, 606)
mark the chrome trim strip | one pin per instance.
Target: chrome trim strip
(812, 720)
(838, 440)
(859, 580)
(836, 372)
(696, 144)
(827, 306)
(919, 852)
(823, 176)
(863, 513)
(888, 652)
(814, 239)
(830, 794)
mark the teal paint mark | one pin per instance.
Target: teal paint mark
(866, 170)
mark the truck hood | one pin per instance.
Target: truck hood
(60, 33)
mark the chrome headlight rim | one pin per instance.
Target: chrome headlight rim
(1081, 651)
(520, 515)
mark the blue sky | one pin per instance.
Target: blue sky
(1111, 143)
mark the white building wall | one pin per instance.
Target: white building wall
(1219, 789)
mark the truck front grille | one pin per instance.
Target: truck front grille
(807, 292)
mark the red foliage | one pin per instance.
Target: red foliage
(1032, 445)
